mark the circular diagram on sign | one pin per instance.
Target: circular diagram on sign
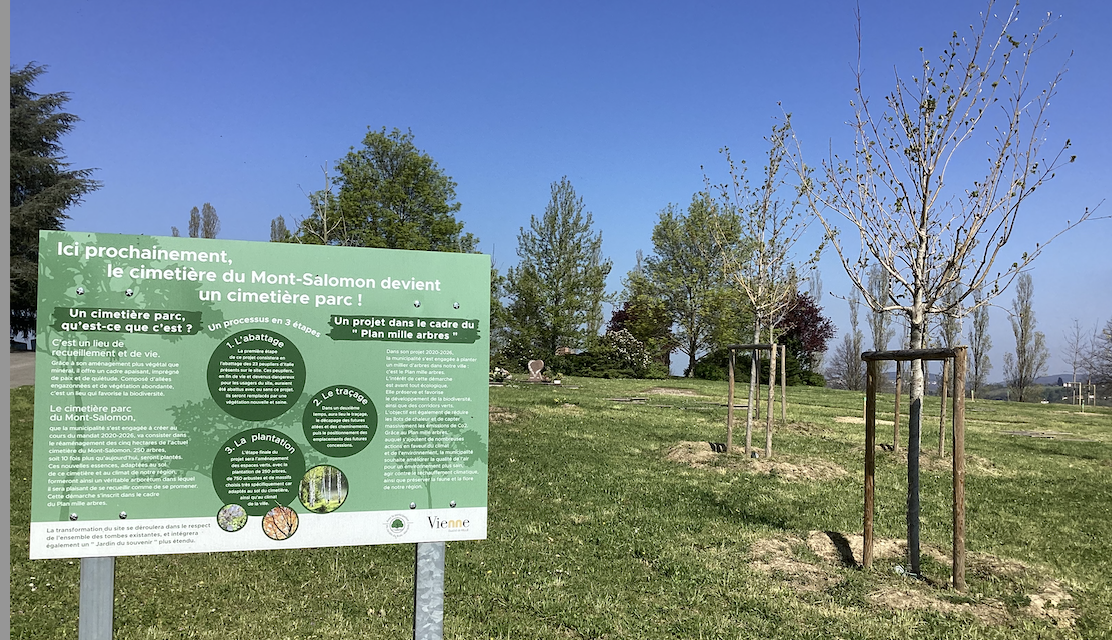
(258, 469)
(340, 421)
(256, 375)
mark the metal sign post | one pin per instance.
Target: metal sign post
(428, 592)
(94, 614)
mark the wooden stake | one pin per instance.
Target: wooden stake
(784, 383)
(771, 400)
(958, 566)
(942, 413)
(896, 421)
(730, 409)
(870, 461)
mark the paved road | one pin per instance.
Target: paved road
(22, 366)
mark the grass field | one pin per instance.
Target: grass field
(600, 526)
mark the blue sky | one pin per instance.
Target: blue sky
(241, 104)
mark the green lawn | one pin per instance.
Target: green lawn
(594, 533)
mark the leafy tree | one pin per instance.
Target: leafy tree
(684, 270)
(980, 343)
(388, 194)
(805, 333)
(561, 279)
(1029, 361)
(43, 185)
(646, 318)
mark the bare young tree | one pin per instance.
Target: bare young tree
(847, 370)
(880, 322)
(1077, 344)
(814, 289)
(1029, 361)
(762, 267)
(980, 343)
(928, 234)
(1098, 358)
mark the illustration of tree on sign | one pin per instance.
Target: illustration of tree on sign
(231, 517)
(323, 489)
(280, 523)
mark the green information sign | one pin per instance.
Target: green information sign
(200, 395)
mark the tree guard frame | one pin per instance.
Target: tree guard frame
(872, 358)
(753, 384)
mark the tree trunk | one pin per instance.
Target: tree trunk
(914, 435)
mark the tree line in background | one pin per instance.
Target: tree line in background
(722, 270)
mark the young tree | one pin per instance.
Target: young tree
(928, 234)
(814, 289)
(1076, 347)
(880, 322)
(388, 194)
(561, 278)
(1029, 361)
(685, 270)
(980, 343)
(847, 369)
(761, 267)
(1098, 358)
(43, 185)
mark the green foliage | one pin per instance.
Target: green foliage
(615, 355)
(684, 272)
(557, 289)
(389, 194)
(715, 366)
(43, 185)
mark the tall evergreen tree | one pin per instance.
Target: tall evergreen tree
(561, 279)
(43, 185)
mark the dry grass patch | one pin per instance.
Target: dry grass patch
(819, 562)
(501, 415)
(699, 455)
(675, 391)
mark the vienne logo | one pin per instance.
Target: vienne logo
(451, 524)
(397, 525)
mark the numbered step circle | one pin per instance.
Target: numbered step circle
(340, 421)
(256, 375)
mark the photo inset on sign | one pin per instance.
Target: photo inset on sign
(256, 375)
(231, 518)
(323, 489)
(280, 523)
(258, 469)
(340, 421)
